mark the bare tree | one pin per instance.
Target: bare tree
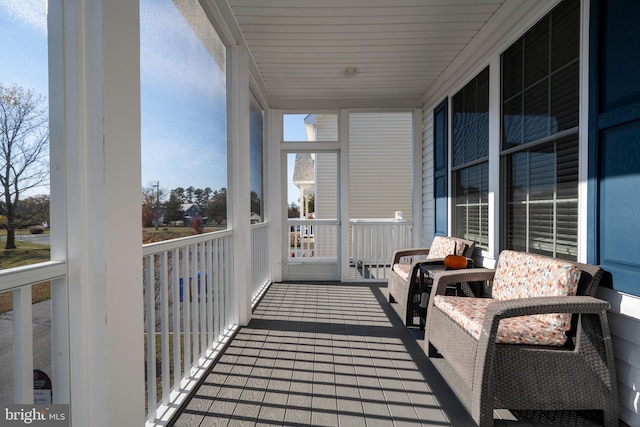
(24, 143)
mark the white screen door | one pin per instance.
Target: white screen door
(312, 232)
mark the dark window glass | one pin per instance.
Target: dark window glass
(256, 125)
(470, 145)
(540, 79)
(542, 199)
(472, 203)
(540, 99)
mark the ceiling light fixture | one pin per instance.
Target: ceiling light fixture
(351, 71)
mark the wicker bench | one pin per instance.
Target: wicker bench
(404, 276)
(542, 361)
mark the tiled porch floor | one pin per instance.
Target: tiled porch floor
(331, 355)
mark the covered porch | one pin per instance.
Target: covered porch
(336, 354)
(247, 325)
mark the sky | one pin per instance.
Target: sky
(23, 56)
(182, 92)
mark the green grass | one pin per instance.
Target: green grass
(25, 253)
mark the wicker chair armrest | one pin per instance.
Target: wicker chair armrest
(448, 277)
(498, 310)
(397, 255)
(542, 305)
(485, 356)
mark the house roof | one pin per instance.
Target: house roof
(187, 206)
(303, 169)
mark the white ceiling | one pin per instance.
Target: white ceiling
(302, 47)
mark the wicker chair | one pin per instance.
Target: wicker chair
(499, 374)
(403, 275)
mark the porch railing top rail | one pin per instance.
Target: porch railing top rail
(168, 245)
(16, 277)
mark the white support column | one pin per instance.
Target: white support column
(274, 191)
(343, 202)
(238, 171)
(59, 288)
(101, 172)
(417, 178)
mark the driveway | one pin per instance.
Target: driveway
(41, 239)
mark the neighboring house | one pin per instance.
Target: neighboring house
(304, 179)
(191, 210)
(255, 218)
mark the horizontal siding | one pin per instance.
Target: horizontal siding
(624, 321)
(326, 127)
(380, 164)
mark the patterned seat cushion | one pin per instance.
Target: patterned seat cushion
(519, 275)
(469, 314)
(441, 247)
(402, 270)
(524, 275)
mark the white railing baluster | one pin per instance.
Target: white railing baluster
(195, 332)
(372, 244)
(151, 342)
(197, 314)
(164, 325)
(202, 296)
(209, 286)
(217, 285)
(186, 310)
(19, 281)
(177, 336)
(23, 345)
(259, 260)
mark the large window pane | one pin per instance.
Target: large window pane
(256, 126)
(310, 127)
(472, 203)
(24, 134)
(183, 98)
(541, 194)
(470, 144)
(542, 200)
(540, 79)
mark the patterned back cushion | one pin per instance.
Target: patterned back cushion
(460, 248)
(441, 247)
(524, 275)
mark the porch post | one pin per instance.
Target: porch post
(98, 162)
(416, 207)
(238, 171)
(275, 209)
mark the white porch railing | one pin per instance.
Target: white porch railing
(259, 260)
(313, 239)
(372, 244)
(188, 316)
(20, 281)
